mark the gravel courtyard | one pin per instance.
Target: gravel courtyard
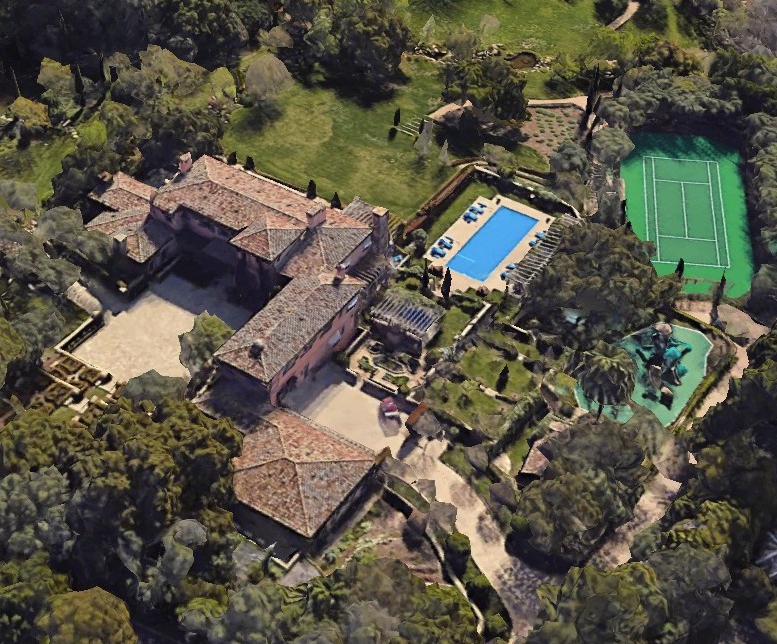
(144, 334)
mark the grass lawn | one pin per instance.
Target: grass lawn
(484, 413)
(453, 323)
(42, 160)
(517, 452)
(544, 26)
(674, 32)
(343, 145)
(529, 158)
(474, 190)
(483, 364)
(64, 413)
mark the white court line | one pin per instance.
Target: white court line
(691, 264)
(644, 189)
(688, 238)
(685, 214)
(714, 224)
(655, 206)
(695, 183)
(723, 213)
(676, 159)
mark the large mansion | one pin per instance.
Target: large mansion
(307, 268)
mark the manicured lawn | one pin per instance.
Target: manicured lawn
(543, 26)
(453, 323)
(517, 452)
(343, 145)
(483, 363)
(673, 33)
(529, 158)
(474, 190)
(482, 412)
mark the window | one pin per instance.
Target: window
(352, 303)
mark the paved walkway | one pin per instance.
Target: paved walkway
(738, 324)
(658, 495)
(514, 581)
(579, 101)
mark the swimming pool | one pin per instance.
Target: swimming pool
(489, 246)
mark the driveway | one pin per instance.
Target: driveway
(327, 398)
(143, 334)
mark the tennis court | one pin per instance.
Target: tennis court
(685, 195)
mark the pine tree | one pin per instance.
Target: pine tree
(396, 118)
(501, 381)
(445, 288)
(680, 268)
(311, 193)
(335, 203)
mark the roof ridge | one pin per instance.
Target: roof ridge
(328, 431)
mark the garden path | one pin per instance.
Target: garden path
(627, 15)
(514, 581)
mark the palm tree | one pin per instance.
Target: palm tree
(607, 376)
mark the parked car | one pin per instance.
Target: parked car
(438, 252)
(444, 243)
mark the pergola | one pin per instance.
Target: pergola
(411, 316)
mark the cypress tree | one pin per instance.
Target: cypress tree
(719, 291)
(501, 381)
(311, 193)
(629, 227)
(425, 277)
(232, 158)
(396, 118)
(680, 268)
(79, 80)
(335, 203)
(421, 126)
(15, 83)
(445, 288)
(249, 164)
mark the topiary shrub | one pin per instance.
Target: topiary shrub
(457, 552)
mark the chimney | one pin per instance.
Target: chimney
(380, 228)
(120, 243)
(185, 163)
(340, 272)
(316, 215)
(257, 346)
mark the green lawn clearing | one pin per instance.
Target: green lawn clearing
(345, 146)
(686, 195)
(444, 221)
(544, 26)
(467, 404)
(483, 364)
(453, 323)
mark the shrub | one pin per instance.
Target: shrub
(342, 359)
(457, 552)
(496, 627)
(609, 10)
(479, 590)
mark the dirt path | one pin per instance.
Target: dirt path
(627, 15)
(514, 581)
(659, 493)
(579, 101)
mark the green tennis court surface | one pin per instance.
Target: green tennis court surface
(685, 194)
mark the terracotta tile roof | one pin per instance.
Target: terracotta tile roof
(359, 210)
(231, 196)
(123, 193)
(291, 319)
(268, 237)
(122, 222)
(324, 247)
(144, 235)
(297, 472)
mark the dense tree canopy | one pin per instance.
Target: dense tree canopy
(599, 285)
(198, 345)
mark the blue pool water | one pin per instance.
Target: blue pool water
(489, 246)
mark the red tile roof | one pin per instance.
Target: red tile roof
(144, 236)
(297, 472)
(231, 196)
(287, 323)
(123, 193)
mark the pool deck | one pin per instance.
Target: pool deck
(461, 232)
